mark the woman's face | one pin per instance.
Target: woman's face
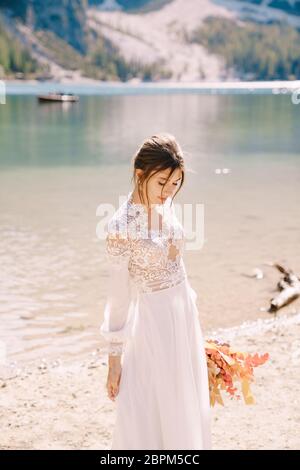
(157, 194)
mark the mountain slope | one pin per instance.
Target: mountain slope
(150, 39)
(160, 35)
(66, 19)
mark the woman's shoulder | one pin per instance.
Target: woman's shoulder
(120, 224)
(118, 244)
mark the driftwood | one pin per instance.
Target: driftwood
(289, 287)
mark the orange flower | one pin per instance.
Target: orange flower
(225, 366)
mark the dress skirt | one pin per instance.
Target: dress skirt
(163, 400)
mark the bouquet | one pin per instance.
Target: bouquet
(226, 366)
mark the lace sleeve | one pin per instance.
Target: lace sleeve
(116, 322)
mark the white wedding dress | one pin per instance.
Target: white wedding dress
(151, 317)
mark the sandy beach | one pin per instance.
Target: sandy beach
(66, 167)
(63, 405)
(54, 273)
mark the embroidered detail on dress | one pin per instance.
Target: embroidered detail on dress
(154, 256)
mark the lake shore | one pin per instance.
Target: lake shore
(63, 404)
(94, 86)
(58, 165)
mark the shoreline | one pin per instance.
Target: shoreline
(96, 86)
(236, 333)
(77, 414)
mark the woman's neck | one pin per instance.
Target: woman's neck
(136, 198)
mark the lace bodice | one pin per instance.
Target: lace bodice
(152, 244)
(144, 252)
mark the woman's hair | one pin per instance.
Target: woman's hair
(157, 153)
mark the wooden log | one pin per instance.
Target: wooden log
(289, 287)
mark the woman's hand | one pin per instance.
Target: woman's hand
(113, 380)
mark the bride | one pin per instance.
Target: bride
(157, 369)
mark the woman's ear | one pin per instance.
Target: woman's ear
(138, 173)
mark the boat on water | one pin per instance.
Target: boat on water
(58, 96)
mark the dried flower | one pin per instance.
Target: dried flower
(227, 366)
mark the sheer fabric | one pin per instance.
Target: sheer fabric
(151, 320)
(144, 250)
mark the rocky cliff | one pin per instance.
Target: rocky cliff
(65, 18)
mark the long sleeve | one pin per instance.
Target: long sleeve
(116, 324)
